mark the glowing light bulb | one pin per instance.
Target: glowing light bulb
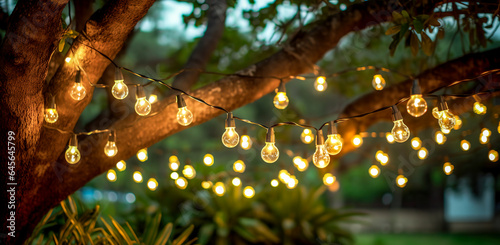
(248, 192)
(486, 132)
(269, 152)
(174, 175)
(296, 160)
(320, 84)
(121, 165)
(152, 184)
(78, 90)
(401, 180)
(72, 154)
(448, 168)
(357, 141)
(302, 165)
(181, 183)
(379, 155)
(333, 143)
(206, 184)
(236, 181)
(378, 82)
(493, 155)
(458, 123)
(422, 153)
(153, 98)
(440, 137)
(51, 114)
(483, 139)
(498, 129)
(445, 131)
(389, 137)
(328, 179)
(110, 149)
(374, 171)
(284, 176)
(416, 106)
(219, 189)
(208, 159)
(416, 143)
(280, 100)
(239, 166)
(67, 59)
(142, 155)
(306, 136)
(189, 172)
(246, 142)
(400, 131)
(111, 175)
(465, 145)
(479, 108)
(292, 182)
(446, 118)
(321, 158)
(384, 159)
(435, 112)
(230, 138)
(137, 176)
(119, 89)
(142, 105)
(274, 183)
(184, 115)
(173, 163)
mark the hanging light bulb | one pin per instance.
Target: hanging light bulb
(246, 142)
(274, 183)
(181, 183)
(248, 192)
(483, 139)
(174, 175)
(422, 153)
(446, 118)
(486, 132)
(416, 143)
(189, 171)
(280, 101)
(219, 189)
(374, 171)
(378, 82)
(440, 137)
(401, 181)
(448, 168)
(142, 105)
(111, 175)
(493, 155)
(296, 160)
(230, 138)
(328, 179)
(51, 114)
(306, 136)
(142, 155)
(479, 108)
(137, 176)
(384, 159)
(119, 89)
(110, 149)
(292, 183)
(379, 155)
(302, 165)
(400, 131)
(458, 123)
(72, 154)
(333, 143)
(121, 165)
(269, 152)
(206, 184)
(357, 140)
(152, 184)
(78, 90)
(389, 137)
(239, 166)
(465, 145)
(173, 163)
(321, 158)
(184, 115)
(320, 84)
(208, 159)
(435, 112)
(236, 181)
(416, 106)
(152, 98)
(284, 176)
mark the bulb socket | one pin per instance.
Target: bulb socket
(230, 120)
(78, 77)
(111, 136)
(442, 104)
(180, 101)
(281, 87)
(396, 114)
(118, 74)
(139, 92)
(52, 103)
(332, 128)
(73, 141)
(415, 89)
(320, 139)
(270, 135)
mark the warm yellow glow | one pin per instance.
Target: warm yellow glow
(121, 165)
(374, 171)
(448, 168)
(111, 175)
(493, 155)
(389, 137)
(422, 153)
(416, 143)
(137, 176)
(401, 180)
(274, 182)
(483, 139)
(142, 106)
(486, 132)
(184, 116)
(378, 155)
(236, 181)
(208, 159)
(284, 176)
(72, 155)
(445, 131)
(239, 166)
(498, 129)
(436, 113)
(78, 92)
(302, 165)
(357, 141)
(153, 98)
(292, 182)
(321, 158)
(152, 184)
(173, 163)
(280, 101)
(440, 137)
(458, 123)
(246, 142)
(270, 153)
(479, 108)
(119, 90)
(181, 183)
(333, 144)
(296, 160)
(248, 192)
(110, 149)
(384, 159)
(416, 106)
(320, 84)
(51, 115)
(142, 155)
(174, 175)
(230, 138)
(219, 189)
(400, 131)
(328, 179)
(378, 82)
(446, 120)
(307, 136)
(189, 172)
(465, 145)
(67, 59)
(206, 184)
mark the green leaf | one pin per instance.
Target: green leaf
(405, 14)
(164, 235)
(414, 44)
(427, 45)
(393, 30)
(62, 42)
(418, 25)
(394, 43)
(183, 236)
(397, 17)
(404, 29)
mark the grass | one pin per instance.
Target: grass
(419, 239)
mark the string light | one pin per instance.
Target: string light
(479, 108)
(458, 123)
(422, 153)
(448, 168)
(142, 155)
(445, 130)
(333, 142)
(357, 140)
(302, 165)
(493, 155)
(72, 154)
(416, 143)
(307, 136)
(389, 137)
(153, 98)
(208, 159)
(173, 163)
(274, 182)
(152, 184)
(321, 158)
(378, 82)
(248, 192)
(284, 176)
(189, 171)
(236, 181)
(320, 84)
(111, 175)
(446, 118)
(206, 184)
(269, 152)
(328, 179)
(239, 166)
(181, 183)
(219, 189)
(483, 139)
(51, 114)
(292, 182)
(435, 112)
(382, 157)
(400, 131)
(174, 175)
(498, 129)
(142, 105)
(280, 101)
(230, 138)
(465, 145)
(486, 132)
(119, 89)
(137, 176)
(121, 165)
(440, 137)
(110, 149)
(416, 106)
(374, 171)
(67, 59)
(246, 142)
(401, 181)
(78, 91)
(184, 115)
